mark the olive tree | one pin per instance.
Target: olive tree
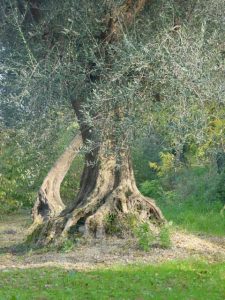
(121, 65)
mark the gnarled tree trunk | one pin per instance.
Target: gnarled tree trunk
(107, 188)
(49, 203)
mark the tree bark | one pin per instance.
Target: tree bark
(107, 188)
(49, 203)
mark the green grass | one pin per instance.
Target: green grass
(195, 204)
(192, 201)
(171, 280)
(195, 216)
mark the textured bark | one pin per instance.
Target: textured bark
(49, 203)
(105, 189)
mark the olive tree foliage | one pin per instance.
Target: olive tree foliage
(168, 69)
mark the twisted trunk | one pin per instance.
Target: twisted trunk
(107, 188)
(49, 203)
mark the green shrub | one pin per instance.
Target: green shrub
(152, 188)
(8, 205)
(121, 225)
(145, 236)
(67, 246)
(7, 202)
(220, 188)
(164, 237)
(71, 182)
(112, 224)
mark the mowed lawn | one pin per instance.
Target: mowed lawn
(192, 280)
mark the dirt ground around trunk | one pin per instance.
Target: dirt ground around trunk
(93, 254)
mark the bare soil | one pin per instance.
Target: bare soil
(98, 253)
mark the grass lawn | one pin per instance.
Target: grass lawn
(181, 280)
(196, 217)
(192, 201)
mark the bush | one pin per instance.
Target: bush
(164, 237)
(152, 189)
(145, 236)
(7, 202)
(220, 188)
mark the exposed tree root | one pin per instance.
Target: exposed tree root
(112, 191)
(92, 218)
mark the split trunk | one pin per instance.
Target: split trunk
(107, 188)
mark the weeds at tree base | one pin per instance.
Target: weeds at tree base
(67, 246)
(164, 237)
(144, 236)
(130, 226)
(147, 239)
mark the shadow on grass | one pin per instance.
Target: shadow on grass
(20, 249)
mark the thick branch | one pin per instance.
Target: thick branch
(49, 202)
